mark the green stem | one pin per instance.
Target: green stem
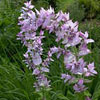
(44, 96)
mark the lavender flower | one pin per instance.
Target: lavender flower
(83, 50)
(36, 71)
(90, 70)
(67, 78)
(69, 58)
(79, 87)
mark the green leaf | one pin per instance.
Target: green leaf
(71, 96)
(62, 97)
(96, 93)
(86, 93)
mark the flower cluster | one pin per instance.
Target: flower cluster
(33, 41)
(33, 26)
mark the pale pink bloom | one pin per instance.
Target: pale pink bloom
(69, 58)
(79, 87)
(67, 78)
(83, 50)
(44, 69)
(36, 58)
(28, 5)
(78, 67)
(90, 70)
(32, 15)
(36, 71)
(85, 37)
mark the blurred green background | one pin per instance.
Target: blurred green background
(16, 81)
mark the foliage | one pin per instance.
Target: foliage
(56, 4)
(9, 12)
(15, 83)
(92, 7)
(41, 3)
(77, 12)
(63, 4)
